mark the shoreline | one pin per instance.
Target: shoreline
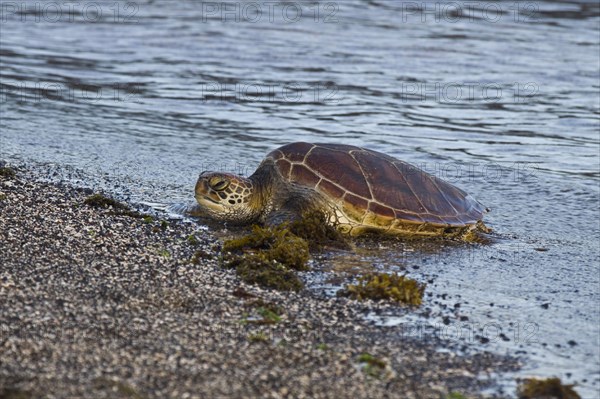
(98, 304)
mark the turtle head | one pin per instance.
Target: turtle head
(227, 197)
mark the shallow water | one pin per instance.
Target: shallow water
(502, 100)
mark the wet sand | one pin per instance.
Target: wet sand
(96, 304)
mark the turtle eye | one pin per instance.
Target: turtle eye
(218, 184)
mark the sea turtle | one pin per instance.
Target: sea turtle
(359, 190)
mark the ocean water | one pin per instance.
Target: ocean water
(499, 98)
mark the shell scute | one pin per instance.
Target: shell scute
(377, 190)
(330, 189)
(294, 152)
(379, 174)
(284, 167)
(339, 167)
(355, 206)
(427, 193)
(303, 174)
(381, 210)
(412, 217)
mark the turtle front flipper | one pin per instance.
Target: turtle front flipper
(281, 216)
(189, 209)
(195, 210)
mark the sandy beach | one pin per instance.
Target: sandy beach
(107, 305)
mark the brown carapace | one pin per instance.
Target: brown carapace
(359, 190)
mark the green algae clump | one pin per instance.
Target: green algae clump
(269, 313)
(258, 337)
(7, 172)
(269, 256)
(372, 365)
(117, 208)
(254, 269)
(551, 388)
(385, 286)
(192, 240)
(200, 255)
(100, 201)
(272, 244)
(266, 309)
(313, 227)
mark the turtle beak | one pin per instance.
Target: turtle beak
(202, 190)
(201, 186)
